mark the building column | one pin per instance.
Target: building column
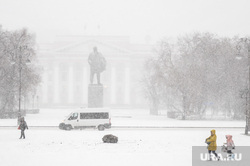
(70, 85)
(45, 88)
(113, 85)
(85, 86)
(56, 83)
(127, 86)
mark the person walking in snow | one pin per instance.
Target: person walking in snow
(229, 146)
(212, 146)
(23, 125)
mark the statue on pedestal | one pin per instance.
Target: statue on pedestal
(97, 65)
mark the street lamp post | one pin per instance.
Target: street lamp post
(20, 88)
(246, 42)
(20, 57)
(248, 111)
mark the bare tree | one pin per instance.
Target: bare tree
(197, 73)
(156, 79)
(16, 49)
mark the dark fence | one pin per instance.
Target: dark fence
(14, 114)
(174, 115)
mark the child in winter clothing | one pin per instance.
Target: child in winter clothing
(212, 146)
(229, 145)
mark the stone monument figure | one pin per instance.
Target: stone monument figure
(95, 91)
(97, 65)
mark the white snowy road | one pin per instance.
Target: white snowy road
(84, 147)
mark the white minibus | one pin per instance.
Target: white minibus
(87, 117)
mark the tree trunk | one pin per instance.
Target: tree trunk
(154, 107)
(185, 107)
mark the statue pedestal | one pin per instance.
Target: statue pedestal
(95, 96)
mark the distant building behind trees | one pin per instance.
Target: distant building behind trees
(66, 72)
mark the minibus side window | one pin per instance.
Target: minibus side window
(102, 115)
(74, 116)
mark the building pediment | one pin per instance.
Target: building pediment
(86, 47)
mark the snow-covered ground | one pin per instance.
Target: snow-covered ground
(146, 147)
(84, 147)
(120, 117)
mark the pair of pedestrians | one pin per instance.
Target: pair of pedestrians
(212, 146)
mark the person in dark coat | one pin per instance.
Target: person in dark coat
(23, 125)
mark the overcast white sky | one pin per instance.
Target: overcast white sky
(136, 18)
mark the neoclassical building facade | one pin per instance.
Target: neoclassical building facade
(66, 71)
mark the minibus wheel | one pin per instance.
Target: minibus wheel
(101, 127)
(68, 127)
(61, 126)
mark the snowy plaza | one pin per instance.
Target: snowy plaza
(139, 143)
(124, 83)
